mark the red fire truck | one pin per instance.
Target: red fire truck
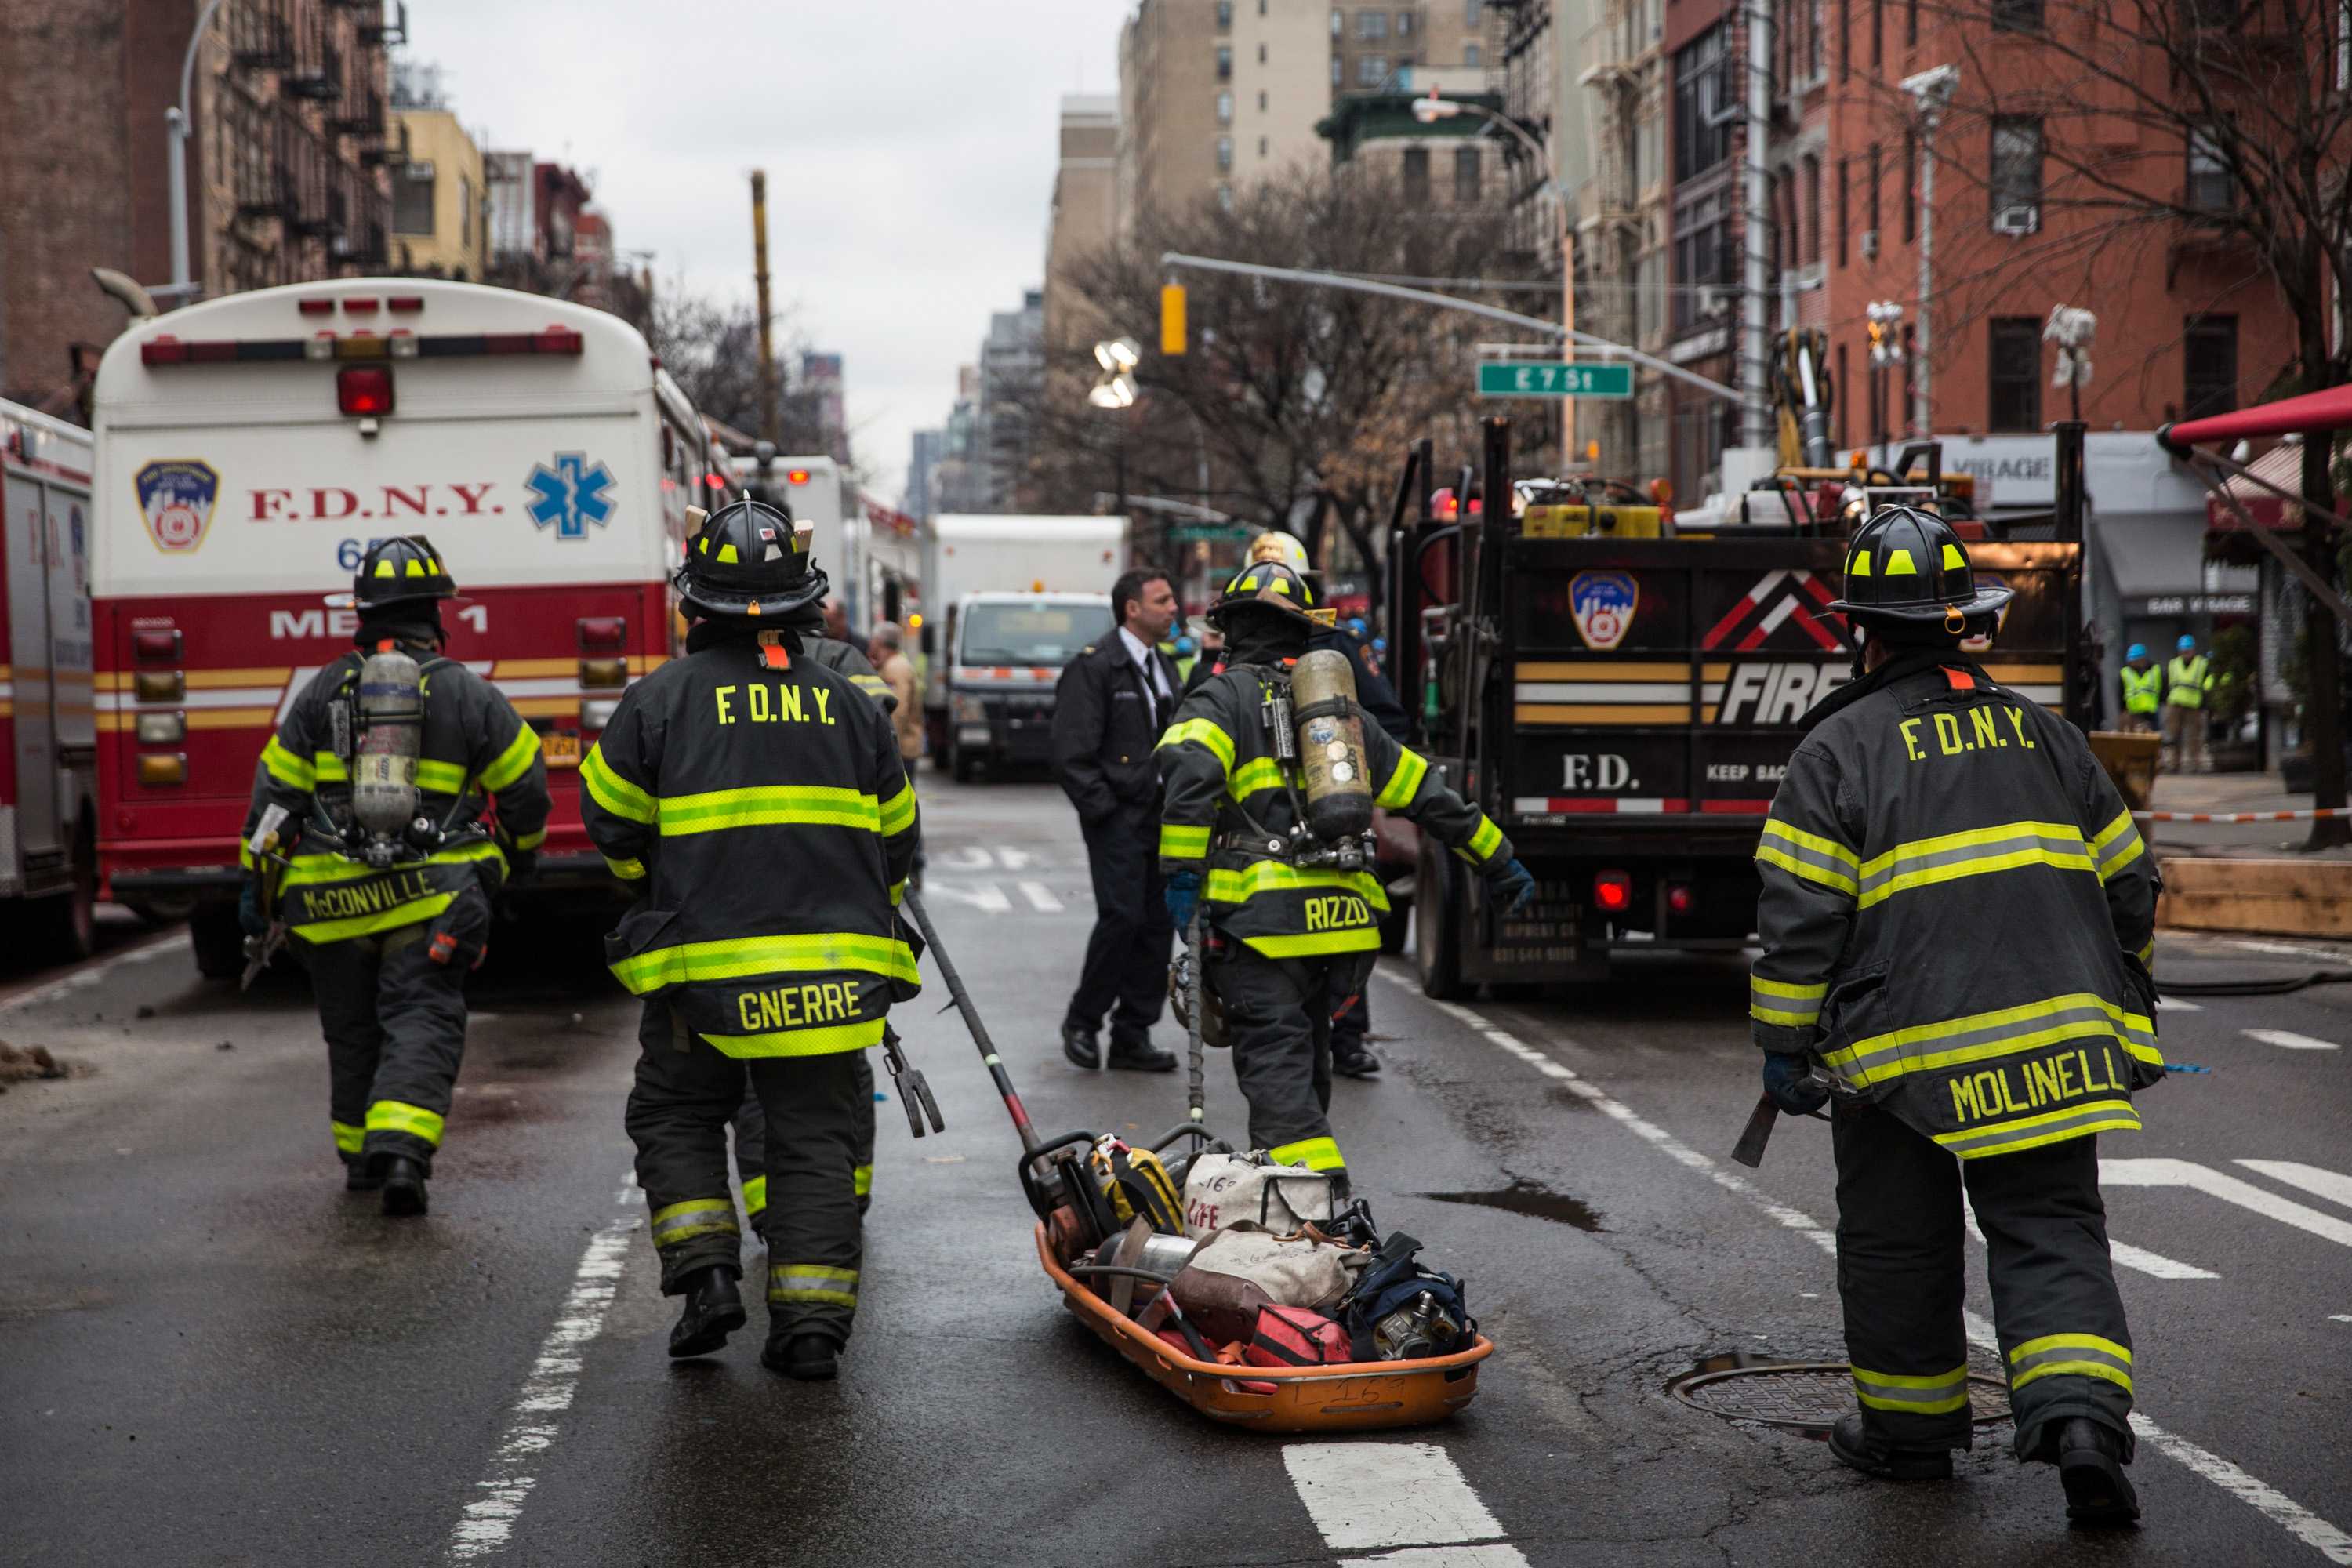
(249, 450)
(48, 816)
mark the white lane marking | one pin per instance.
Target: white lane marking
(49, 991)
(1037, 894)
(2335, 1187)
(2229, 1189)
(2339, 1317)
(530, 1430)
(1392, 1494)
(986, 896)
(2315, 1531)
(1015, 858)
(2175, 1004)
(2148, 1262)
(2288, 1040)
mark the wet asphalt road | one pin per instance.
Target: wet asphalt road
(209, 1354)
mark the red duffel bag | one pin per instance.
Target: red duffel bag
(1295, 1336)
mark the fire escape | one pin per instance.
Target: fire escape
(324, 134)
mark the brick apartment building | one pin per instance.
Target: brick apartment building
(287, 160)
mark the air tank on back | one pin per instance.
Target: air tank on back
(1331, 745)
(391, 738)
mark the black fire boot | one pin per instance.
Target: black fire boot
(1136, 1053)
(1853, 1444)
(714, 1309)
(808, 1358)
(1078, 1043)
(403, 1185)
(1350, 1058)
(358, 1178)
(2091, 1468)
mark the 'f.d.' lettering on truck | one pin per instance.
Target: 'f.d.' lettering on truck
(1776, 693)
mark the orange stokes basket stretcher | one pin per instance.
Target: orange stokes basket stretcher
(1352, 1397)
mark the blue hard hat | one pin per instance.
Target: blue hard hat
(2186, 642)
(2136, 650)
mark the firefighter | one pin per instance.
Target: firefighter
(757, 800)
(1351, 1011)
(813, 625)
(389, 924)
(2143, 689)
(1956, 923)
(1286, 937)
(2188, 681)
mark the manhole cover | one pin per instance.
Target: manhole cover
(1807, 1395)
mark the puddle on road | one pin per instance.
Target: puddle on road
(1530, 1198)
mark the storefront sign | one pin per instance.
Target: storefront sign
(2191, 604)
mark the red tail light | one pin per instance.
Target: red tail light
(363, 389)
(1613, 892)
(603, 634)
(797, 477)
(156, 642)
(1681, 899)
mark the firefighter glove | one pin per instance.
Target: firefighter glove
(1788, 1080)
(1512, 887)
(1183, 895)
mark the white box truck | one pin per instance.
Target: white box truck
(1011, 600)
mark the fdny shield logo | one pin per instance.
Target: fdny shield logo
(176, 496)
(1602, 604)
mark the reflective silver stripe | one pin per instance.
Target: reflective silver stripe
(2094, 1115)
(1863, 1064)
(1904, 862)
(2020, 1366)
(1807, 855)
(1935, 1395)
(696, 1216)
(813, 1282)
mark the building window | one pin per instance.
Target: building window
(1371, 69)
(1471, 55)
(1702, 259)
(1877, 33)
(1816, 41)
(1838, 395)
(2209, 365)
(412, 199)
(1261, 101)
(1813, 210)
(1468, 179)
(1845, 206)
(1911, 21)
(1224, 15)
(1224, 63)
(1405, 24)
(2017, 15)
(1224, 198)
(1845, 39)
(1260, 146)
(465, 212)
(1910, 184)
(1416, 176)
(1260, 54)
(1338, 21)
(1338, 67)
(2016, 162)
(2211, 189)
(1702, 130)
(2206, 15)
(1873, 197)
(1225, 108)
(1474, 13)
(1910, 383)
(2013, 373)
(1371, 25)
(1224, 154)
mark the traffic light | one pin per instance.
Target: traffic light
(1171, 319)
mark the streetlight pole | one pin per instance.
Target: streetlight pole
(1931, 90)
(175, 155)
(1432, 109)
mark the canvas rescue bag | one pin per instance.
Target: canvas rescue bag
(1220, 1189)
(1243, 1267)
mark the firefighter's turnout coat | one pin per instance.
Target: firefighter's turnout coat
(757, 801)
(1957, 913)
(475, 749)
(1224, 798)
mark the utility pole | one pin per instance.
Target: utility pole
(767, 328)
(1931, 90)
(1756, 399)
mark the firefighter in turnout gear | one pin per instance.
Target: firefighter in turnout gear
(1284, 934)
(757, 800)
(1957, 926)
(751, 1127)
(365, 839)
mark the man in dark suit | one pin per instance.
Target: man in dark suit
(1113, 700)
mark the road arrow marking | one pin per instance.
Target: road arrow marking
(2328, 1185)
(1037, 894)
(2228, 1188)
(2288, 1040)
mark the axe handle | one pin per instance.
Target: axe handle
(1750, 1149)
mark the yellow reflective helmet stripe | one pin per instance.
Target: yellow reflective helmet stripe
(1860, 565)
(398, 1116)
(613, 792)
(509, 765)
(1898, 564)
(1953, 559)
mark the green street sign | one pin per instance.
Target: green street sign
(1208, 533)
(1537, 378)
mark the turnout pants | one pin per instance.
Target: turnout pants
(396, 1028)
(1125, 972)
(752, 1143)
(1901, 1244)
(685, 1092)
(1279, 1022)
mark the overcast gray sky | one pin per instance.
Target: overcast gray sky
(909, 146)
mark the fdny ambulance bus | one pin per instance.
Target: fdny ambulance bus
(47, 795)
(249, 451)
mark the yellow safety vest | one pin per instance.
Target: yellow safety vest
(2143, 689)
(2190, 679)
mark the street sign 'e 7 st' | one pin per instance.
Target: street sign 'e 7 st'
(1528, 378)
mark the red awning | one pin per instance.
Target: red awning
(2308, 414)
(2281, 467)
